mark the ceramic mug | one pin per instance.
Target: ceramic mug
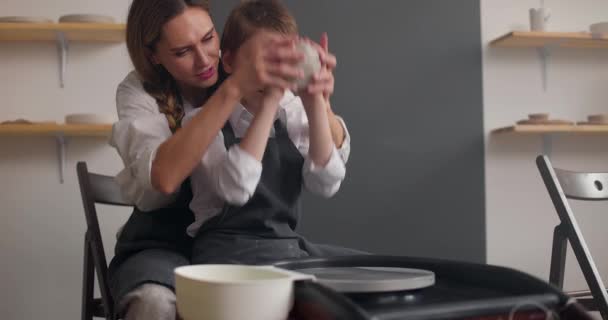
(235, 292)
(539, 19)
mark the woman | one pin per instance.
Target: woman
(175, 51)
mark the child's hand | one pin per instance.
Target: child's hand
(266, 59)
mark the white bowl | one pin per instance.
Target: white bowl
(234, 292)
(600, 27)
(89, 118)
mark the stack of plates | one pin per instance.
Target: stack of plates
(86, 18)
(25, 121)
(25, 19)
(89, 118)
(543, 118)
(596, 119)
(599, 28)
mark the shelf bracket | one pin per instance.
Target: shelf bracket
(62, 49)
(544, 54)
(547, 144)
(61, 154)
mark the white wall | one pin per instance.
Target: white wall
(42, 226)
(520, 216)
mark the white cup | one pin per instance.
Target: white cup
(539, 19)
(235, 292)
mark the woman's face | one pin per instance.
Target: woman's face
(189, 49)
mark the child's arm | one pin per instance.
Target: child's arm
(237, 173)
(337, 129)
(324, 165)
(325, 169)
(256, 137)
(321, 143)
(329, 61)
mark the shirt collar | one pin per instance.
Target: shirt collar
(240, 119)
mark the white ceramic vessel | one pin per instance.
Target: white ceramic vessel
(235, 292)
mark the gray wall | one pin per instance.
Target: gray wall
(409, 85)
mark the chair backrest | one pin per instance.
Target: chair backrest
(561, 186)
(583, 185)
(591, 186)
(96, 188)
(105, 190)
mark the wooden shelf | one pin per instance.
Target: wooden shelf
(58, 131)
(63, 34)
(549, 129)
(67, 130)
(87, 32)
(549, 39)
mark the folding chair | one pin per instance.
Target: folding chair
(95, 188)
(563, 185)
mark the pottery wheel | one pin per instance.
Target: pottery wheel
(371, 279)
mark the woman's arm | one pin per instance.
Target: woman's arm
(177, 156)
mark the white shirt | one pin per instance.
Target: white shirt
(231, 176)
(141, 129)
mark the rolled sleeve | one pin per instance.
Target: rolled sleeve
(344, 149)
(324, 181)
(137, 142)
(237, 176)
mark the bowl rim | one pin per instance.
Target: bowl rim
(278, 274)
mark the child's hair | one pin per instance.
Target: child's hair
(252, 15)
(144, 26)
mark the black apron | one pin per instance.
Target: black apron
(262, 231)
(151, 245)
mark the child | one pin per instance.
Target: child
(248, 184)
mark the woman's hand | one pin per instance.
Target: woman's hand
(267, 59)
(323, 82)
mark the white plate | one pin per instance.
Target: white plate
(24, 19)
(86, 18)
(371, 279)
(89, 118)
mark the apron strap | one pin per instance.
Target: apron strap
(230, 137)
